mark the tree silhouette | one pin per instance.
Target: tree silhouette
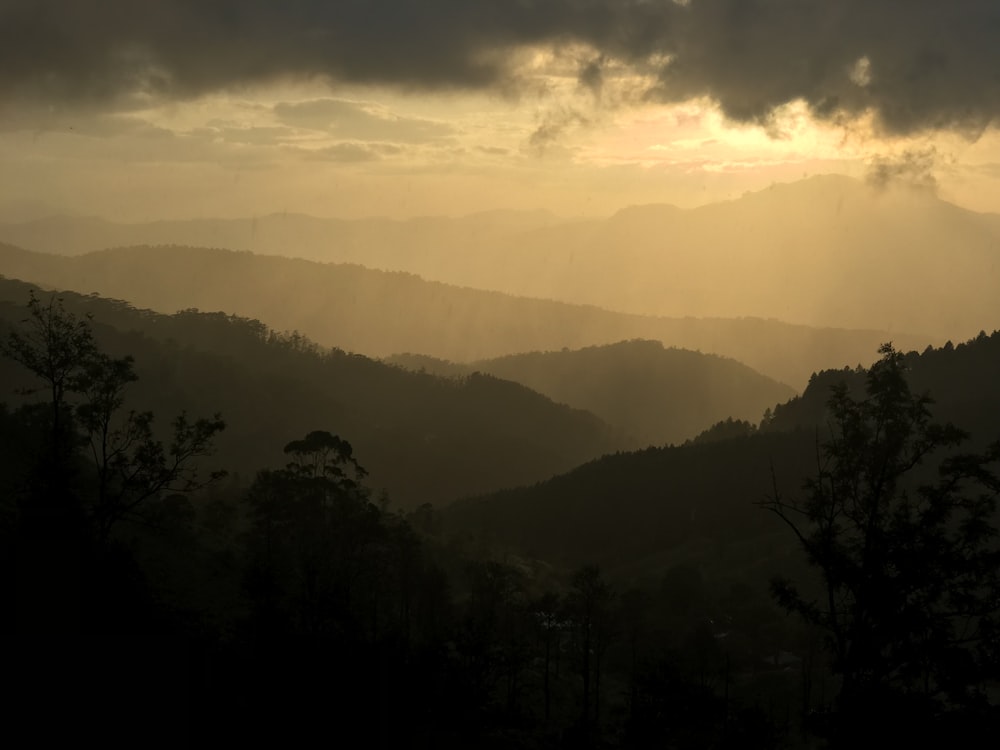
(54, 346)
(590, 604)
(908, 562)
(313, 537)
(86, 390)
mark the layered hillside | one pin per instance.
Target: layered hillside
(656, 395)
(423, 438)
(827, 251)
(381, 313)
(698, 503)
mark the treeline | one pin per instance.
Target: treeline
(961, 378)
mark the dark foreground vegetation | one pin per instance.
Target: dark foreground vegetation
(152, 600)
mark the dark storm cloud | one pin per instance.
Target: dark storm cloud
(916, 63)
(930, 63)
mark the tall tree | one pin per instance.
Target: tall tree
(86, 391)
(908, 562)
(590, 604)
(313, 537)
(547, 612)
(55, 347)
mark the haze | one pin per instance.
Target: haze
(572, 323)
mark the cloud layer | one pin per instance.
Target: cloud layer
(352, 120)
(914, 64)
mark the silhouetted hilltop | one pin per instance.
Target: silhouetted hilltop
(824, 251)
(962, 381)
(423, 438)
(380, 313)
(657, 395)
(644, 511)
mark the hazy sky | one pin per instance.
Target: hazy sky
(152, 109)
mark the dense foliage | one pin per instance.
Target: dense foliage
(909, 598)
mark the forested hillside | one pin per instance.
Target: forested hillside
(424, 438)
(961, 381)
(653, 394)
(697, 502)
(379, 314)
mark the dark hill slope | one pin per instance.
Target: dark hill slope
(962, 380)
(657, 395)
(423, 438)
(647, 510)
(644, 510)
(379, 313)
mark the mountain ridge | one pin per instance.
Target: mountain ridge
(699, 503)
(381, 313)
(657, 394)
(827, 251)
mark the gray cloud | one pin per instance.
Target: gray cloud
(349, 152)
(917, 64)
(592, 76)
(553, 126)
(352, 120)
(913, 167)
(230, 132)
(91, 124)
(930, 63)
(989, 169)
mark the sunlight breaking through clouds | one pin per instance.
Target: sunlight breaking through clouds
(552, 95)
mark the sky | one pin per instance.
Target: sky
(166, 109)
